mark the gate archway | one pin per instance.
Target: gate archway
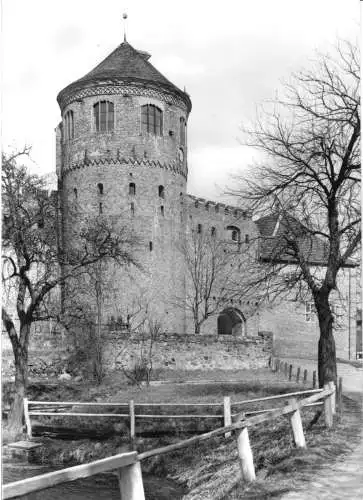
(231, 321)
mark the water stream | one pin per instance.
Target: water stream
(99, 487)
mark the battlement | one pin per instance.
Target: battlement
(218, 207)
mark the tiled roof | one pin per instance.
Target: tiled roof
(130, 65)
(273, 245)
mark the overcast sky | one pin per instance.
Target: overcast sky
(229, 55)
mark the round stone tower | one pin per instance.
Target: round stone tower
(122, 156)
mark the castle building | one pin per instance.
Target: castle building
(122, 154)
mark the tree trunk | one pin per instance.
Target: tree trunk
(15, 420)
(327, 363)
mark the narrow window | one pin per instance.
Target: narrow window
(100, 188)
(213, 231)
(100, 208)
(69, 125)
(132, 208)
(235, 233)
(132, 189)
(161, 192)
(151, 119)
(182, 131)
(75, 193)
(150, 246)
(162, 210)
(199, 228)
(247, 238)
(104, 116)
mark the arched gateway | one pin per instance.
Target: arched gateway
(231, 321)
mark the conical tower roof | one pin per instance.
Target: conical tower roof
(128, 65)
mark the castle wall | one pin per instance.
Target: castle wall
(296, 331)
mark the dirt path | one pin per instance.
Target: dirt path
(343, 480)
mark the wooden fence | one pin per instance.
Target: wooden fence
(128, 465)
(130, 413)
(296, 373)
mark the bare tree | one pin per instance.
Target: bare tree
(34, 265)
(212, 266)
(310, 176)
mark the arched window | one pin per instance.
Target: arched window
(150, 246)
(213, 231)
(199, 228)
(235, 233)
(162, 212)
(247, 238)
(100, 188)
(151, 119)
(132, 189)
(182, 131)
(161, 192)
(132, 208)
(100, 209)
(104, 116)
(68, 125)
(75, 193)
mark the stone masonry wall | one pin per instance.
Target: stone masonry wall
(175, 352)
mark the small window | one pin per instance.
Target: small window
(162, 210)
(75, 193)
(247, 238)
(161, 192)
(132, 208)
(309, 311)
(151, 119)
(132, 189)
(199, 228)
(150, 246)
(234, 233)
(182, 131)
(213, 231)
(100, 188)
(68, 125)
(103, 112)
(100, 209)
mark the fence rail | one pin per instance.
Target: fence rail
(128, 465)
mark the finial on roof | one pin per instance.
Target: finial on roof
(124, 17)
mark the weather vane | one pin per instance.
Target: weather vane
(124, 17)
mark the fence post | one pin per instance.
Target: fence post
(305, 376)
(314, 379)
(298, 375)
(130, 482)
(290, 372)
(132, 419)
(296, 424)
(227, 414)
(245, 455)
(328, 409)
(27, 418)
(340, 395)
(333, 397)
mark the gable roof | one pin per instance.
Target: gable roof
(275, 227)
(129, 65)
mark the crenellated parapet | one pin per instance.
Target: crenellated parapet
(217, 207)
